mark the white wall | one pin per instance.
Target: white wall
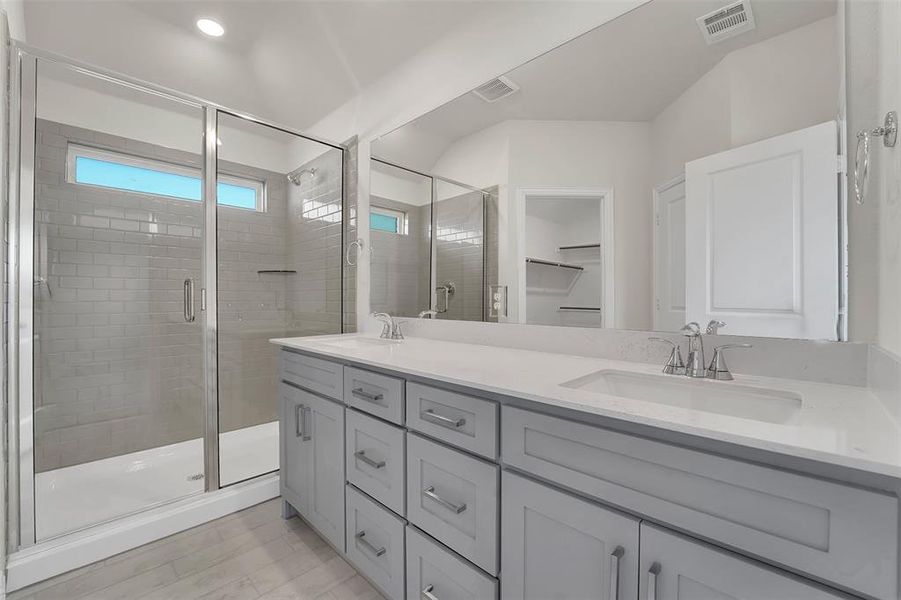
(781, 84)
(86, 102)
(415, 192)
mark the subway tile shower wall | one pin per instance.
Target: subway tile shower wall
(400, 262)
(117, 368)
(460, 247)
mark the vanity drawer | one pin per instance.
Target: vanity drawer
(454, 497)
(375, 459)
(464, 421)
(375, 543)
(314, 374)
(379, 395)
(838, 533)
(435, 570)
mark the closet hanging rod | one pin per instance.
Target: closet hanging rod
(276, 272)
(538, 261)
(580, 308)
(579, 246)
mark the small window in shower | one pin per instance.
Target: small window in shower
(385, 219)
(102, 168)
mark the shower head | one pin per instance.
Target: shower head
(296, 177)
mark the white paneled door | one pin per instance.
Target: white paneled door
(669, 255)
(762, 245)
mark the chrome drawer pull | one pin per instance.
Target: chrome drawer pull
(429, 492)
(431, 415)
(375, 464)
(615, 557)
(652, 581)
(298, 420)
(362, 539)
(359, 393)
(427, 592)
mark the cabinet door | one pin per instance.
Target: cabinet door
(324, 426)
(559, 546)
(293, 472)
(675, 567)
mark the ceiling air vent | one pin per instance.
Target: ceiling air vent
(495, 89)
(727, 22)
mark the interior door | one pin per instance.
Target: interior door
(669, 255)
(762, 236)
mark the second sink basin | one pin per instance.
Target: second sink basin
(725, 398)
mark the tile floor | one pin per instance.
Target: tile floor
(250, 555)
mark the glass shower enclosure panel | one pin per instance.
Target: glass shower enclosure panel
(459, 251)
(279, 245)
(118, 233)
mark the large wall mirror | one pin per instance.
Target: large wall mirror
(633, 181)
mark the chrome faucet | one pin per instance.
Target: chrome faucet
(390, 328)
(428, 314)
(718, 369)
(674, 365)
(695, 366)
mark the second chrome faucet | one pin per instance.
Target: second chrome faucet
(695, 365)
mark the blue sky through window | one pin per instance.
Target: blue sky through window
(121, 176)
(381, 222)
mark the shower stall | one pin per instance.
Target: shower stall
(157, 242)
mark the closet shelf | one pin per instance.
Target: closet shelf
(578, 247)
(551, 263)
(276, 272)
(580, 308)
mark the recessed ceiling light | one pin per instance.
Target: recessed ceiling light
(210, 27)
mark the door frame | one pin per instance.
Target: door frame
(606, 199)
(655, 216)
(23, 63)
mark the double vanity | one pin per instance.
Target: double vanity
(445, 471)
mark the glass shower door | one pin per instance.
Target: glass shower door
(279, 245)
(118, 234)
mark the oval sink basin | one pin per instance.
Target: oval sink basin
(725, 398)
(359, 343)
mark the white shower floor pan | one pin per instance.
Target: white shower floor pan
(75, 497)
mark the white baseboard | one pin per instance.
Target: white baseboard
(54, 557)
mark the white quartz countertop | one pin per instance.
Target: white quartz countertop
(836, 424)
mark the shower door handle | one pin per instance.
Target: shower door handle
(189, 300)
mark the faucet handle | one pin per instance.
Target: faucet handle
(691, 329)
(674, 365)
(714, 326)
(718, 368)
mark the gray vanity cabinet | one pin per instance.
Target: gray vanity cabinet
(559, 546)
(312, 455)
(674, 567)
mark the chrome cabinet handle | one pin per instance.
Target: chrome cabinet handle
(427, 592)
(652, 581)
(615, 557)
(189, 300)
(429, 492)
(307, 436)
(432, 416)
(361, 537)
(359, 393)
(375, 464)
(298, 420)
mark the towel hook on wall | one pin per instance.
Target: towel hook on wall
(889, 134)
